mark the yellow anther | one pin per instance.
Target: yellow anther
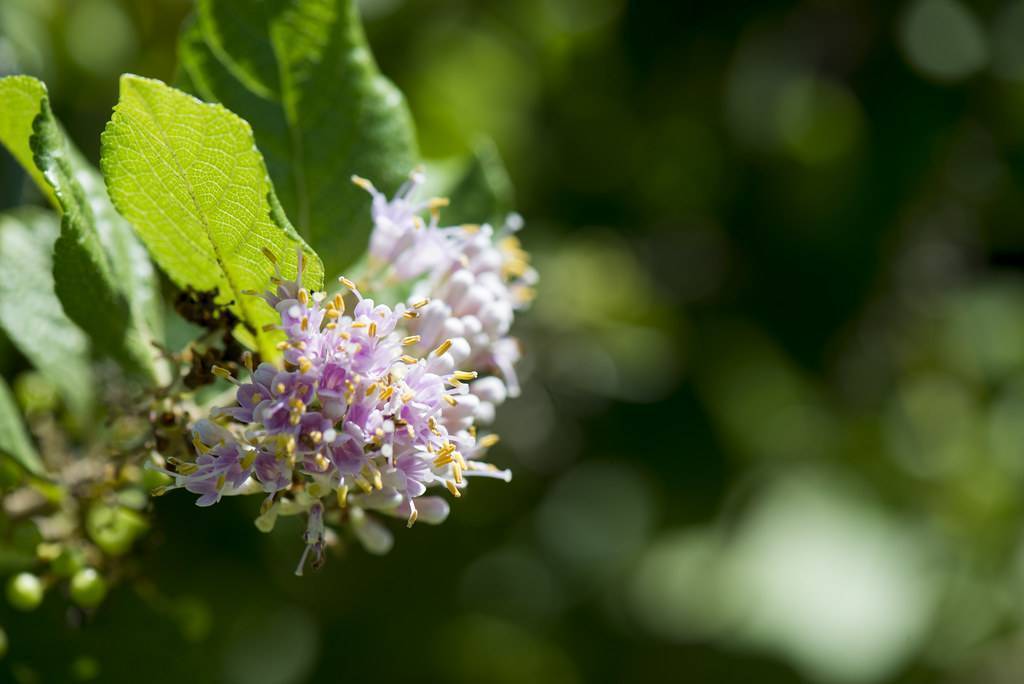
(303, 296)
(198, 444)
(248, 459)
(420, 304)
(410, 314)
(187, 468)
(465, 376)
(221, 481)
(304, 364)
(372, 388)
(412, 518)
(269, 327)
(281, 346)
(271, 257)
(411, 339)
(347, 283)
(452, 488)
(342, 495)
(221, 372)
(363, 183)
(443, 347)
(363, 484)
(280, 388)
(408, 359)
(373, 329)
(457, 472)
(487, 441)
(450, 399)
(386, 393)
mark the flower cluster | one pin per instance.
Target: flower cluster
(375, 404)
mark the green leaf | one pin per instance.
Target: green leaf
(103, 276)
(479, 187)
(30, 312)
(14, 439)
(190, 179)
(20, 98)
(301, 72)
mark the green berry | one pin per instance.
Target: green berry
(88, 588)
(25, 591)
(114, 528)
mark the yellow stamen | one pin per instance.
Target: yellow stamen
(443, 347)
(363, 183)
(411, 339)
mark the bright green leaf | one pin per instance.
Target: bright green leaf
(30, 312)
(190, 179)
(302, 74)
(85, 282)
(14, 440)
(103, 276)
(20, 101)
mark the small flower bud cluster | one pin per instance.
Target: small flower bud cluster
(375, 405)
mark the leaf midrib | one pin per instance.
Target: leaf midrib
(235, 290)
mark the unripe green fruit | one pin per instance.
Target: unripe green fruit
(25, 591)
(88, 588)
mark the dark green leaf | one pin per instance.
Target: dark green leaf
(302, 73)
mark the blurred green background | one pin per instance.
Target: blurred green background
(773, 425)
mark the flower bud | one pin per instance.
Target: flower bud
(25, 591)
(374, 537)
(433, 510)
